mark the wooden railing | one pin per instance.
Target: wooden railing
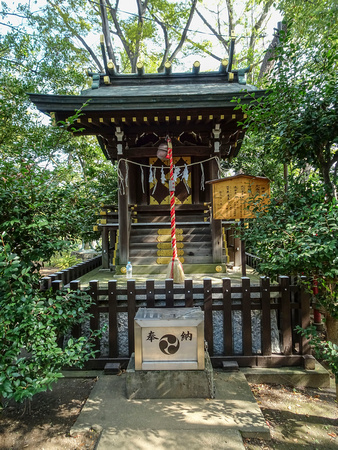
(72, 273)
(258, 310)
(252, 260)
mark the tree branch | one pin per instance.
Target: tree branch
(119, 31)
(76, 34)
(166, 41)
(105, 31)
(259, 23)
(185, 31)
(214, 31)
(231, 25)
(142, 7)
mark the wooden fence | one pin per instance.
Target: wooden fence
(252, 260)
(72, 273)
(257, 309)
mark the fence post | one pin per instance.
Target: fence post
(59, 276)
(131, 304)
(169, 294)
(94, 310)
(304, 300)
(208, 323)
(71, 274)
(76, 273)
(188, 294)
(285, 316)
(227, 317)
(56, 285)
(266, 316)
(65, 276)
(246, 317)
(112, 318)
(45, 283)
(150, 289)
(75, 286)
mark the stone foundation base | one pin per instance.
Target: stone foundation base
(169, 383)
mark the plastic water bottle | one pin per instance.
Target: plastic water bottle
(129, 269)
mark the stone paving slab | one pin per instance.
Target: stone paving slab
(233, 410)
(170, 440)
(291, 376)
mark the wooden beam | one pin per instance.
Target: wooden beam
(196, 67)
(111, 67)
(216, 225)
(167, 68)
(124, 226)
(140, 68)
(223, 66)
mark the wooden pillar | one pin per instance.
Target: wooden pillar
(105, 247)
(243, 257)
(216, 224)
(237, 254)
(124, 224)
(196, 182)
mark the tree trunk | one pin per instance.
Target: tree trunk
(332, 329)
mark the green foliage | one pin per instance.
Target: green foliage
(249, 20)
(297, 119)
(253, 160)
(326, 350)
(64, 260)
(310, 20)
(297, 234)
(31, 323)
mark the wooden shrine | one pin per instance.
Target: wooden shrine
(131, 115)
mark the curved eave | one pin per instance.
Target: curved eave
(53, 103)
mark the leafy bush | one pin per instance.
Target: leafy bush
(325, 350)
(64, 260)
(31, 323)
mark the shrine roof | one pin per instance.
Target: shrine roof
(151, 91)
(147, 97)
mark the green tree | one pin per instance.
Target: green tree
(154, 33)
(297, 124)
(248, 20)
(297, 119)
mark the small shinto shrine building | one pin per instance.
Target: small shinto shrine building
(131, 115)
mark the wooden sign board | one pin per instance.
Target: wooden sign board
(232, 196)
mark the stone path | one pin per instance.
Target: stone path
(173, 423)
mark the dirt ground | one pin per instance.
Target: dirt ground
(45, 424)
(298, 418)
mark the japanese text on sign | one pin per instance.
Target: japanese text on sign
(235, 198)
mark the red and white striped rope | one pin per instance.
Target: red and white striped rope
(172, 200)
